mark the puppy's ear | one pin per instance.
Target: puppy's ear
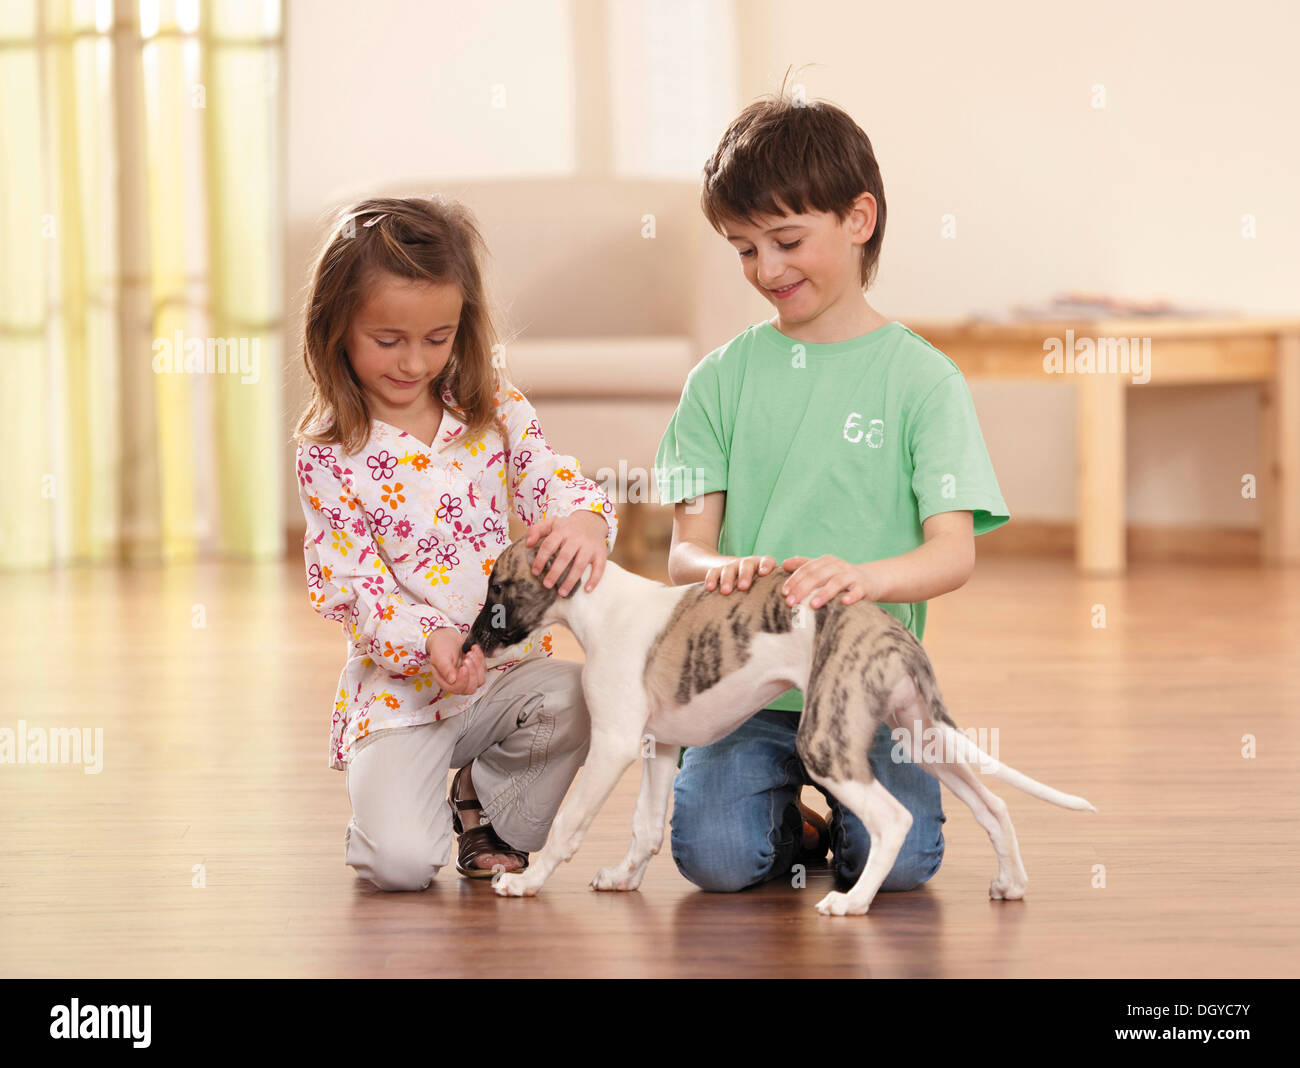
(530, 551)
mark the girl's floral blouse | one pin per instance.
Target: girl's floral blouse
(401, 539)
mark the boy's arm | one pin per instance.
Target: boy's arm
(941, 564)
(692, 557)
(692, 551)
(944, 562)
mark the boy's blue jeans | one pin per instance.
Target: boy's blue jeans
(736, 822)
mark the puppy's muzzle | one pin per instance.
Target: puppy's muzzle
(481, 634)
(489, 638)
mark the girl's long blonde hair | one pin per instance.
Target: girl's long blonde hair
(429, 239)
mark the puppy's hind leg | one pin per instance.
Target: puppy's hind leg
(835, 751)
(658, 771)
(990, 811)
(887, 821)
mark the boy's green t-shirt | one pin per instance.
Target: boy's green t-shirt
(838, 449)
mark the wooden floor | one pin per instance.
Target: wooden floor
(215, 755)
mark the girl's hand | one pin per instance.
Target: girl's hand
(454, 672)
(738, 572)
(824, 578)
(577, 539)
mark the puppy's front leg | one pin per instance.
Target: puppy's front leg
(611, 753)
(648, 823)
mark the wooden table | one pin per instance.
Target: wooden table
(1265, 352)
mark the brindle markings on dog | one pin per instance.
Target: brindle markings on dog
(707, 638)
(847, 699)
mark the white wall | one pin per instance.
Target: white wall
(393, 88)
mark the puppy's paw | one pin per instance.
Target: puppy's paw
(620, 878)
(611, 879)
(837, 904)
(513, 884)
(1006, 891)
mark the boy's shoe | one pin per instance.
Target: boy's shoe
(816, 835)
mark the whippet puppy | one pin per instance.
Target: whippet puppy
(672, 666)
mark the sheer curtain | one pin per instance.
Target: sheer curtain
(141, 252)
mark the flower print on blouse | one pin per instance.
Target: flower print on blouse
(401, 539)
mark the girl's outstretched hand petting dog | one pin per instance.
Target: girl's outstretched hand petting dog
(578, 538)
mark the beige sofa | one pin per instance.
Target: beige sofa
(607, 401)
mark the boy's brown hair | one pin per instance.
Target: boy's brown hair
(784, 155)
(428, 239)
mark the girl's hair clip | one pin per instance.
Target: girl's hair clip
(371, 222)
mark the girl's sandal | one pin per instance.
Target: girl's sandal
(477, 841)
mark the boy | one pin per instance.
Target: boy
(821, 438)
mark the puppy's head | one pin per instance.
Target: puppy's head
(517, 603)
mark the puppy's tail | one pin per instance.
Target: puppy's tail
(972, 754)
(956, 742)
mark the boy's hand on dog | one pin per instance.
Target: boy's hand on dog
(824, 578)
(454, 671)
(738, 573)
(578, 538)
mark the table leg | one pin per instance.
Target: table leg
(1100, 449)
(1278, 482)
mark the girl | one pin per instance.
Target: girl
(411, 453)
